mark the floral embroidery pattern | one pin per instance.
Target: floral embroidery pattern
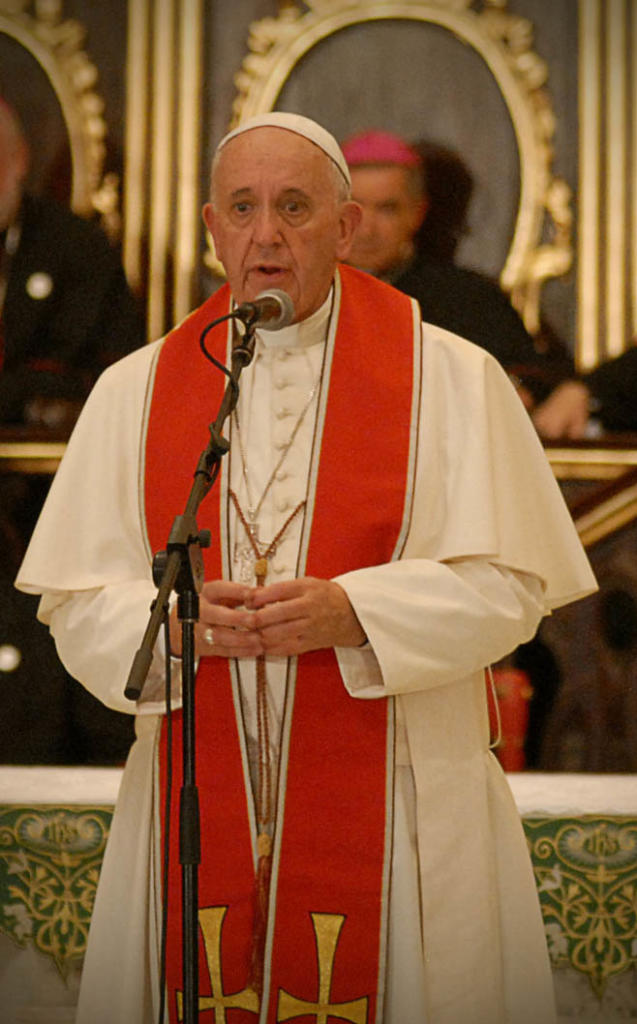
(586, 874)
(50, 860)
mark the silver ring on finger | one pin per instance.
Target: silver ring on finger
(209, 637)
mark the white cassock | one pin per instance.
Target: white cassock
(466, 938)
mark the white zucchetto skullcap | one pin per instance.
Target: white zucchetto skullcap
(300, 126)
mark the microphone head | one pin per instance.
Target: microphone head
(278, 309)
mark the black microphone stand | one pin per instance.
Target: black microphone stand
(180, 568)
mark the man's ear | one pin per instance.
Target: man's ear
(421, 208)
(350, 218)
(208, 215)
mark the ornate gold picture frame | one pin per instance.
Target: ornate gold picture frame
(56, 43)
(540, 246)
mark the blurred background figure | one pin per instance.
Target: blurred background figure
(449, 187)
(66, 312)
(415, 199)
(585, 406)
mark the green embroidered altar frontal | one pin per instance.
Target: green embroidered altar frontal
(586, 873)
(581, 830)
(585, 868)
(50, 859)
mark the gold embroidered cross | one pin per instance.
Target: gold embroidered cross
(327, 928)
(211, 923)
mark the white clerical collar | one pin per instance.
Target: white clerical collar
(301, 335)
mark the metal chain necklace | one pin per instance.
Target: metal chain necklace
(254, 568)
(253, 558)
(264, 795)
(247, 554)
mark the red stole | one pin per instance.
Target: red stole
(327, 922)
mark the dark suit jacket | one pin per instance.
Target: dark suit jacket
(475, 307)
(68, 313)
(68, 309)
(614, 385)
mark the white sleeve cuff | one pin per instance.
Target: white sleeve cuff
(360, 671)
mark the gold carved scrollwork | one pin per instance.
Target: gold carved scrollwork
(56, 43)
(541, 244)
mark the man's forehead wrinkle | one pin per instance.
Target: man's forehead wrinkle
(283, 189)
(286, 192)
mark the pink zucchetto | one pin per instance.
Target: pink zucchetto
(377, 147)
(300, 126)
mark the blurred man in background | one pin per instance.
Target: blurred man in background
(66, 312)
(405, 238)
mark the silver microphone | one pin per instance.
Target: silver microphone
(272, 309)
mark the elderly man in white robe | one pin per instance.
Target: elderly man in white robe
(385, 479)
